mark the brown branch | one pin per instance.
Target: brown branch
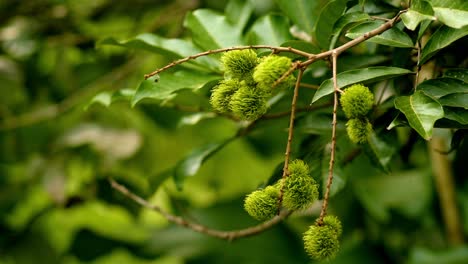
(323, 212)
(310, 86)
(384, 27)
(209, 52)
(287, 153)
(227, 235)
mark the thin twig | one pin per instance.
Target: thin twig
(418, 64)
(326, 197)
(285, 75)
(209, 52)
(310, 86)
(287, 153)
(227, 235)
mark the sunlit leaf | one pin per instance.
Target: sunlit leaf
(211, 30)
(107, 98)
(371, 74)
(189, 166)
(420, 10)
(453, 13)
(421, 111)
(165, 88)
(108, 220)
(443, 37)
(393, 37)
(327, 18)
(269, 30)
(195, 118)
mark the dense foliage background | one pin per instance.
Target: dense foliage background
(74, 110)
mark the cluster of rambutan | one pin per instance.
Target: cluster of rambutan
(248, 83)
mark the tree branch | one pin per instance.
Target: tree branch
(227, 235)
(287, 154)
(209, 52)
(323, 212)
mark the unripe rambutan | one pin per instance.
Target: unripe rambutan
(239, 63)
(248, 103)
(222, 93)
(270, 69)
(300, 189)
(262, 204)
(322, 242)
(359, 130)
(356, 101)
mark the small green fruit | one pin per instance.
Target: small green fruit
(222, 93)
(334, 223)
(359, 130)
(239, 63)
(248, 103)
(356, 101)
(262, 204)
(270, 69)
(300, 189)
(322, 242)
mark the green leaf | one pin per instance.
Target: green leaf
(302, 12)
(439, 87)
(420, 10)
(423, 27)
(359, 61)
(106, 220)
(455, 100)
(238, 13)
(211, 30)
(327, 18)
(460, 74)
(107, 98)
(345, 21)
(443, 37)
(381, 150)
(166, 87)
(421, 111)
(190, 165)
(456, 114)
(393, 37)
(269, 30)
(453, 13)
(367, 75)
(174, 48)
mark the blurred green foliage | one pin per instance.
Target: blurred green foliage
(74, 110)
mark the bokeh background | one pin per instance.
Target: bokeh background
(57, 151)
